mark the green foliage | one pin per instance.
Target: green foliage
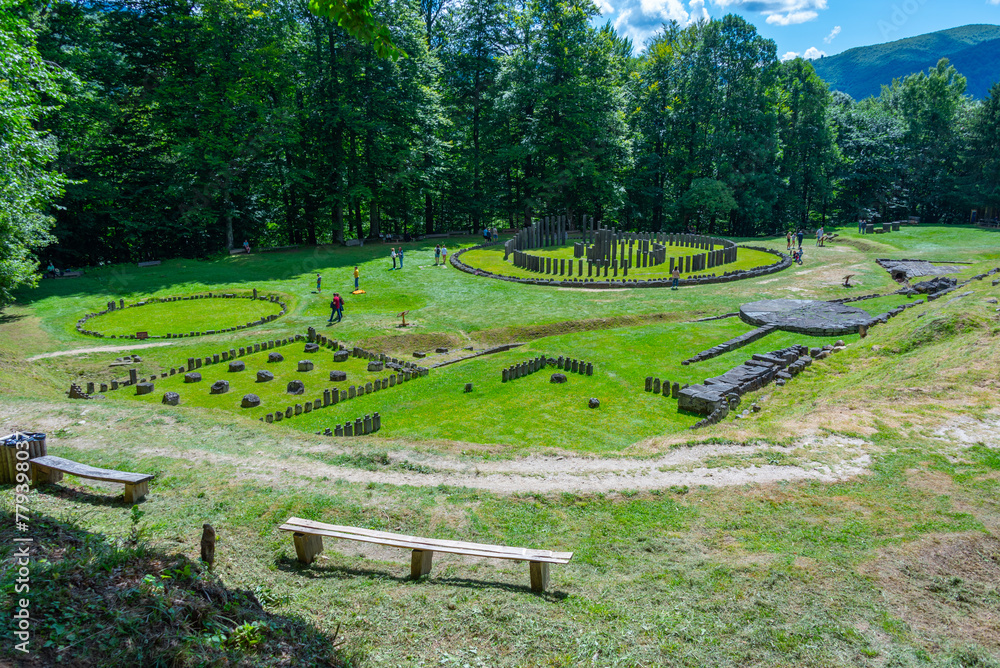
(357, 18)
(30, 90)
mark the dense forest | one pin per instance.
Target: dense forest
(154, 128)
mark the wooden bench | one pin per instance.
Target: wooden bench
(150, 263)
(308, 539)
(50, 469)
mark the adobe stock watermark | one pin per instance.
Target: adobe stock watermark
(22, 552)
(900, 15)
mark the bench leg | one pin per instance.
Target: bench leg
(539, 575)
(43, 475)
(307, 546)
(420, 563)
(134, 492)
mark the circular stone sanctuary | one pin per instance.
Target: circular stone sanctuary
(805, 316)
(543, 253)
(176, 317)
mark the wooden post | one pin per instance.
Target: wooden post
(307, 546)
(208, 544)
(539, 575)
(134, 492)
(43, 475)
(420, 563)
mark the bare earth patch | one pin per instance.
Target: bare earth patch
(947, 588)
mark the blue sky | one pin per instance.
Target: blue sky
(807, 27)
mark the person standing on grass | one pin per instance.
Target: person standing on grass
(437, 254)
(357, 277)
(400, 257)
(392, 254)
(801, 235)
(444, 256)
(788, 238)
(246, 246)
(319, 283)
(676, 275)
(336, 308)
(819, 237)
(861, 225)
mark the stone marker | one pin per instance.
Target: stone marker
(359, 426)
(656, 386)
(468, 387)
(171, 398)
(264, 376)
(237, 366)
(295, 387)
(207, 544)
(348, 429)
(219, 387)
(141, 388)
(649, 383)
(269, 418)
(338, 430)
(298, 409)
(279, 416)
(288, 412)
(275, 357)
(338, 376)
(305, 365)
(352, 392)
(193, 377)
(594, 402)
(308, 407)
(376, 366)
(312, 348)
(250, 401)
(558, 378)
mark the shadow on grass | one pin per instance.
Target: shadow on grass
(316, 572)
(102, 601)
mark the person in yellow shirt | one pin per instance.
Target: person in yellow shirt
(357, 275)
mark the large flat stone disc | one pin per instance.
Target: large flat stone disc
(805, 316)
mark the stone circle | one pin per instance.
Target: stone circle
(805, 316)
(296, 387)
(219, 387)
(250, 401)
(264, 376)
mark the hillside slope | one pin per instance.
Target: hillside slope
(862, 71)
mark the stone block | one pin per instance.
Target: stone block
(219, 387)
(193, 377)
(305, 365)
(295, 387)
(275, 357)
(171, 398)
(237, 366)
(250, 401)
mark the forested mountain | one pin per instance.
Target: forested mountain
(140, 129)
(861, 72)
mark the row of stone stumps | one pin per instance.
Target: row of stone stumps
(369, 424)
(655, 385)
(111, 306)
(192, 364)
(528, 367)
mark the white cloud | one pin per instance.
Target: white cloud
(791, 18)
(812, 53)
(780, 12)
(993, 2)
(605, 7)
(836, 31)
(790, 55)
(666, 10)
(699, 13)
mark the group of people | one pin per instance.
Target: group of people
(440, 254)
(394, 255)
(491, 234)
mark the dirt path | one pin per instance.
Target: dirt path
(102, 349)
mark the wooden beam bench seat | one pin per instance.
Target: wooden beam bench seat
(50, 469)
(308, 538)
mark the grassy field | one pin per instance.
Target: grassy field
(852, 521)
(202, 315)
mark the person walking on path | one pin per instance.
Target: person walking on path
(319, 283)
(788, 238)
(676, 275)
(400, 257)
(819, 237)
(444, 256)
(801, 235)
(357, 276)
(437, 254)
(336, 308)
(861, 225)
(392, 254)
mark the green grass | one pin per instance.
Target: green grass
(491, 259)
(200, 315)
(776, 574)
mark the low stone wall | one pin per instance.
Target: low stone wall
(783, 262)
(117, 306)
(531, 365)
(369, 424)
